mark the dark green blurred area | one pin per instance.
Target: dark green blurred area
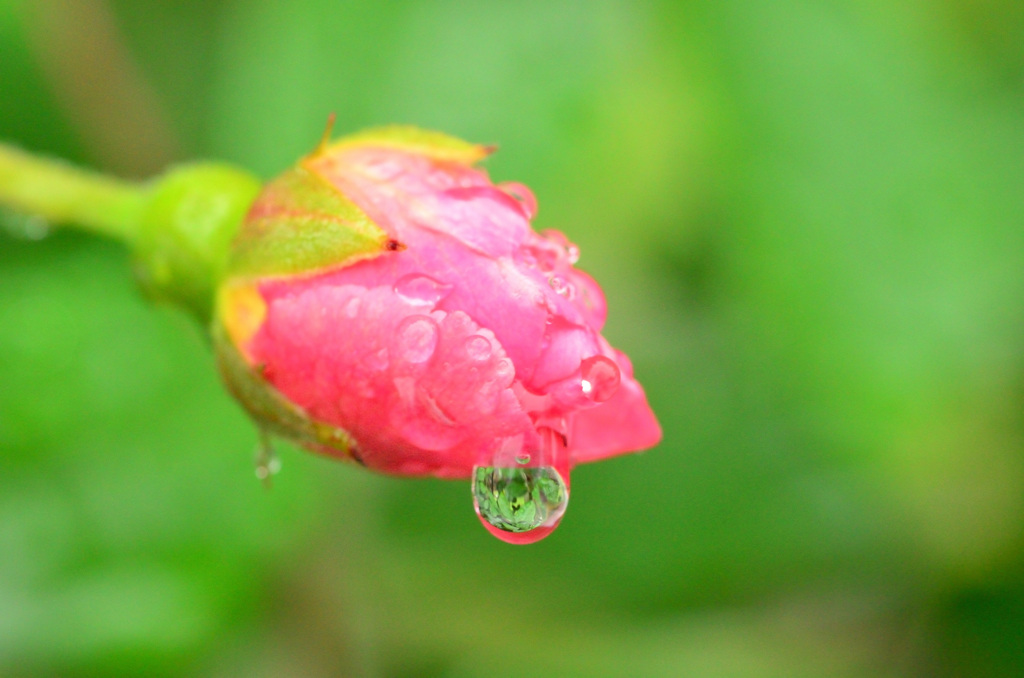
(809, 222)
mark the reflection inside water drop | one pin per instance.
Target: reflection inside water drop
(519, 499)
(520, 493)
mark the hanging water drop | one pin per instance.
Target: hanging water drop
(268, 464)
(519, 502)
(521, 498)
(601, 378)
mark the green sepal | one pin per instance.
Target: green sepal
(300, 224)
(188, 222)
(434, 145)
(272, 412)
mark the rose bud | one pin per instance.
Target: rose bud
(384, 302)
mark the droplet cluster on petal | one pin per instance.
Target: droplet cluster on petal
(460, 346)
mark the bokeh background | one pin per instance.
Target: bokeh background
(809, 221)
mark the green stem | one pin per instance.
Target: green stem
(179, 226)
(66, 195)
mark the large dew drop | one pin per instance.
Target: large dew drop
(519, 496)
(519, 505)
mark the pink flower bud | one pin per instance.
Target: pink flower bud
(407, 316)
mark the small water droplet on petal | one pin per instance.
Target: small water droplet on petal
(421, 290)
(562, 287)
(504, 373)
(572, 253)
(601, 378)
(524, 195)
(417, 338)
(478, 348)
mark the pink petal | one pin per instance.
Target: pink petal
(421, 390)
(459, 347)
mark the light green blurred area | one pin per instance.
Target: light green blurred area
(809, 222)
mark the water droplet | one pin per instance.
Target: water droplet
(267, 462)
(525, 197)
(421, 290)
(522, 504)
(417, 338)
(562, 287)
(572, 253)
(601, 378)
(520, 495)
(504, 373)
(478, 348)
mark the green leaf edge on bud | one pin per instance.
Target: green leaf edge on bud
(302, 225)
(271, 410)
(434, 145)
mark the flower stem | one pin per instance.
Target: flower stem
(66, 195)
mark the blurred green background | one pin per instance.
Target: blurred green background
(808, 218)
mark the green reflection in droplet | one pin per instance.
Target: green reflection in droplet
(518, 499)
